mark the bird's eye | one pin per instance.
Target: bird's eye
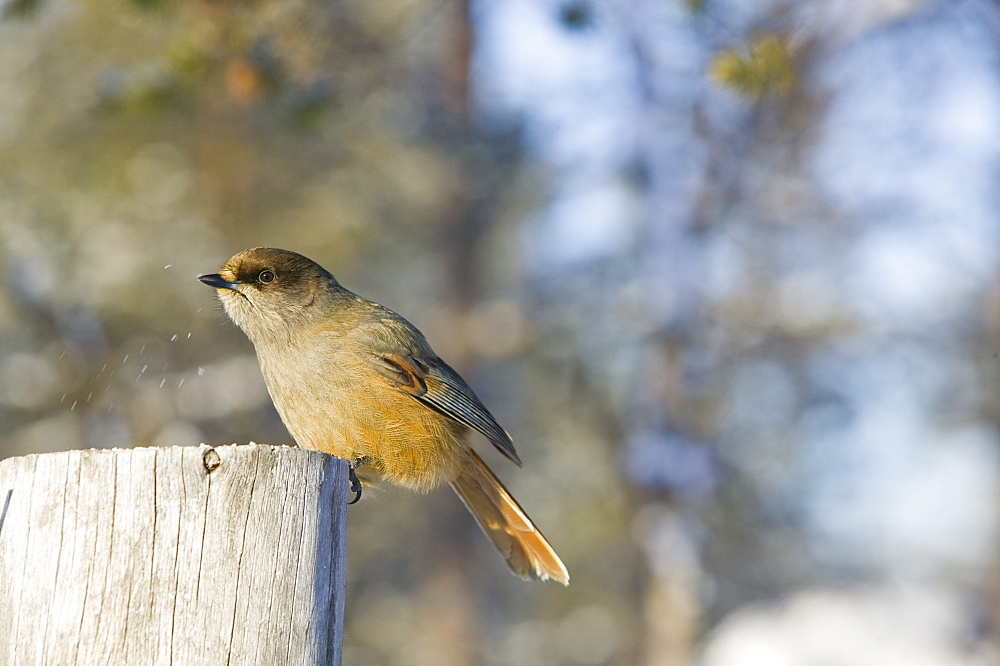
(266, 276)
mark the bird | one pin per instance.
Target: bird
(352, 378)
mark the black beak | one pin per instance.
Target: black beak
(217, 281)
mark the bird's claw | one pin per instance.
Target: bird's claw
(355, 482)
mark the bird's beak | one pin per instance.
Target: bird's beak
(219, 282)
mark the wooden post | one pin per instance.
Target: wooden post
(188, 555)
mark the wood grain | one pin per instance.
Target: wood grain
(145, 556)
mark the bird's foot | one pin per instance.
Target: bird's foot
(352, 475)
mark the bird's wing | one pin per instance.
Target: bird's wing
(421, 374)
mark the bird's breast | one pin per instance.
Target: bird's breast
(332, 399)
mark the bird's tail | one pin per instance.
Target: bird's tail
(527, 552)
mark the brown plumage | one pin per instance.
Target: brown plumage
(356, 380)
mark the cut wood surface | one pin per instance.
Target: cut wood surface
(186, 555)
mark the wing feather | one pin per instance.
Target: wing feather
(434, 383)
(399, 352)
(447, 392)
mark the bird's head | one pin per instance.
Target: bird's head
(270, 293)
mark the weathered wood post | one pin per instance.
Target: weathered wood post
(188, 555)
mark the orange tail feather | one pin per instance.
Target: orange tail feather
(527, 552)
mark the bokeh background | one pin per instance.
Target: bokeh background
(728, 271)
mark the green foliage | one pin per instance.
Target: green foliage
(12, 9)
(307, 108)
(151, 5)
(767, 67)
(141, 90)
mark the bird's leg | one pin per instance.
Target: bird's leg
(355, 483)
